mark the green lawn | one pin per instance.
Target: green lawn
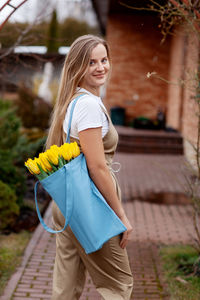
(178, 264)
(11, 251)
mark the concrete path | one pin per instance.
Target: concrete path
(154, 225)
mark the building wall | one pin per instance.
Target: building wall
(189, 118)
(182, 108)
(190, 108)
(136, 49)
(176, 75)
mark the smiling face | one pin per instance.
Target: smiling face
(97, 71)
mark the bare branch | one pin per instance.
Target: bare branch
(137, 8)
(12, 12)
(24, 33)
(18, 41)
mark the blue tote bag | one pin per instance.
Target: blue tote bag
(85, 210)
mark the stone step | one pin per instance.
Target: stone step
(149, 141)
(150, 148)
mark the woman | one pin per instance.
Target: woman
(86, 69)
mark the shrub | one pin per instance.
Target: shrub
(9, 126)
(71, 28)
(33, 111)
(10, 133)
(52, 43)
(14, 150)
(8, 206)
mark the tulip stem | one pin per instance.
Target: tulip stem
(60, 162)
(42, 174)
(54, 168)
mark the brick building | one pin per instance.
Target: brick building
(135, 40)
(182, 108)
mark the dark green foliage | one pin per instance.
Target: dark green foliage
(14, 150)
(10, 133)
(64, 35)
(10, 33)
(32, 110)
(197, 267)
(25, 149)
(181, 262)
(71, 28)
(186, 263)
(9, 209)
(52, 36)
(9, 126)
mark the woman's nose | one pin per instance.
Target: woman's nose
(100, 67)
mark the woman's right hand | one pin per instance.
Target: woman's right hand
(126, 237)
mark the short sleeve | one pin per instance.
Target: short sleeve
(88, 114)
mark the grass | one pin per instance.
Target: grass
(178, 264)
(12, 247)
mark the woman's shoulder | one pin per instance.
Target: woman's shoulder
(88, 102)
(85, 97)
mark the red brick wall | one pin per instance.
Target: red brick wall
(176, 74)
(136, 50)
(182, 107)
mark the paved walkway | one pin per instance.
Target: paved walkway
(154, 225)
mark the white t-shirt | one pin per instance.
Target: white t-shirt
(87, 114)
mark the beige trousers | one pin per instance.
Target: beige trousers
(108, 267)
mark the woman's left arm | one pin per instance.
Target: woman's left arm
(92, 147)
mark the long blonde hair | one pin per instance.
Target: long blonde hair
(74, 69)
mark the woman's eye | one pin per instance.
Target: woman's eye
(104, 61)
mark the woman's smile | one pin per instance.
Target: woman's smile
(99, 75)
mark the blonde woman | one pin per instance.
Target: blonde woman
(86, 69)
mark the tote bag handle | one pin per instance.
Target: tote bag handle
(40, 217)
(46, 227)
(70, 118)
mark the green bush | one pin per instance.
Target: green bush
(9, 209)
(71, 28)
(52, 37)
(9, 126)
(32, 110)
(14, 150)
(10, 133)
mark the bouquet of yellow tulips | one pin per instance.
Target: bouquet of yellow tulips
(51, 160)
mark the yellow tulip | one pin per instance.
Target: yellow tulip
(43, 161)
(53, 154)
(32, 166)
(55, 148)
(66, 151)
(37, 161)
(75, 149)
